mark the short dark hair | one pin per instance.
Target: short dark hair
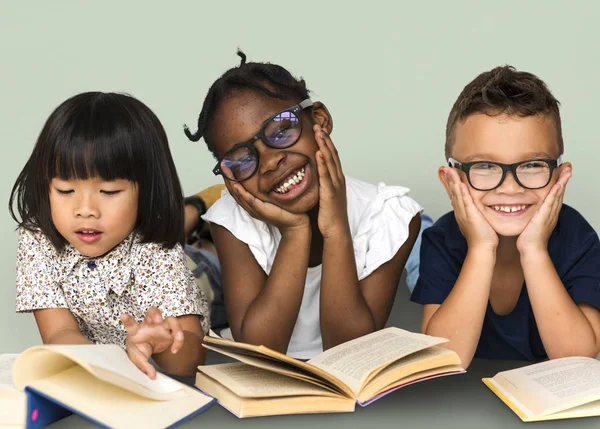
(269, 79)
(504, 90)
(108, 136)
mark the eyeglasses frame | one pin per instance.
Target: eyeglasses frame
(466, 167)
(295, 109)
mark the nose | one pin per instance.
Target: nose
(510, 185)
(86, 206)
(269, 158)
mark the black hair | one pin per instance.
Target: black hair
(107, 136)
(269, 79)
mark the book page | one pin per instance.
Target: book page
(115, 407)
(425, 360)
(261, 352)
(354, 361)
(555, 385)
(280, 368)
(109, 363)
(6, 365)
(251, 382)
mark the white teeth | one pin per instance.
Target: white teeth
(509, 209)
(293, 180)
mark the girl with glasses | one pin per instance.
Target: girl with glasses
(310, 258)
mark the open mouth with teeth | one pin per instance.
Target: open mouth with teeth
(510, 209)
(88, 235)
(290, 182)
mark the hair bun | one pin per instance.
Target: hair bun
(242, 56)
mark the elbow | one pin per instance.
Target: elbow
(465, 359)
(591, 351)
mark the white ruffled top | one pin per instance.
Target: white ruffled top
(379, 217)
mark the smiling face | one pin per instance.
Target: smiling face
(287, 177)
(507, 139)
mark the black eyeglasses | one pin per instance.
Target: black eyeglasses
(488, 175)
(280, 131)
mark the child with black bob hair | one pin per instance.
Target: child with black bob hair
(100, 256)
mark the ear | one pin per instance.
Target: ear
(321, 116)
(443, 179)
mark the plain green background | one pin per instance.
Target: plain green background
(388, 71)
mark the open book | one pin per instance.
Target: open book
(12, 401)
(266, 382)
(556, 389)
(98, 382)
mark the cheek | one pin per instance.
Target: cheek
(541, 194)
(478, 196)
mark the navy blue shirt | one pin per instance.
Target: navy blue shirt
(574, 249)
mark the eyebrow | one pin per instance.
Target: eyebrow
(491, 157)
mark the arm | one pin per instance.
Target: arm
(191, 211)
(460, 317)
(566, 329)
(38, 290)
(260, 309)
(349, 308)
(58, 326)
(186, 360)
(176, 313)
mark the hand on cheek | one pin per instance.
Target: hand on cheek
(333, 214)
(266, 211)
(476, 229)
(534, 237)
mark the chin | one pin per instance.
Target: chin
(505, 230)
(302, 205)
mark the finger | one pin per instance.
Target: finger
(148, 319)
(325, 182)
(131, 326)
(456, 191)
(155, 315)
(141, 361)
(333, 150)
(176, 332)
(242, 197)
(564, 177)
(328, 158)
(545, 209)
(558, 201)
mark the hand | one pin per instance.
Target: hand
(266, 211)
(537, 232)
(333, 214)
(153, 335)
(475, 228)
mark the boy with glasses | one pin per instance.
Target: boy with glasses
(511, 273)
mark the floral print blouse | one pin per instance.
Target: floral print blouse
(129, 279)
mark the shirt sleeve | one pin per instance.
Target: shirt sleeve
(439, 268)
(37, 274)
(582, 280)
(170, 285)
(383, 229)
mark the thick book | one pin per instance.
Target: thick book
(97, 382)
(265, 382)
(563, 388)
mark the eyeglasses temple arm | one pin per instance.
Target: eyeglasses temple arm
(306, 103)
